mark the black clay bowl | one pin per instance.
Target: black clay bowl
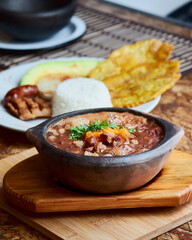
(105, 175)
(32, 20)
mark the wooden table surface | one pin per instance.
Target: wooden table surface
(175, 106)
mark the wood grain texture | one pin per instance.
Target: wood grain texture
(29, 186)
(12, 142)
(142, 223)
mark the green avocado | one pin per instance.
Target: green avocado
(73, 68)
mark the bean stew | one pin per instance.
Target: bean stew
(105, 134)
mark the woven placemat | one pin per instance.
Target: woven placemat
(105, 33)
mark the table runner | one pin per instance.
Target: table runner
(106, 32)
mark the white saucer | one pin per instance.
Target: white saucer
(72, 31)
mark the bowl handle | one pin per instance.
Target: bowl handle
(35, 134)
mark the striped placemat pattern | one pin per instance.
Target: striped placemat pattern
(105, 33)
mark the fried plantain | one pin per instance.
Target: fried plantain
(138, 73)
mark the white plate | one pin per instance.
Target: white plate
(10, 78)
(73, 30)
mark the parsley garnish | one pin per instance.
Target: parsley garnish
(131, 130)
(78, 132)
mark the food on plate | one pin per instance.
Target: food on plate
(80, 93)
(49, 74)
(24, 103)
(130, 76)
(138, 73)
(47, 86)
(105, 134)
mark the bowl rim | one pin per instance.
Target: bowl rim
(46, 13)
(170, 131)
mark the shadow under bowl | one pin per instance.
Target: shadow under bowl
(35, 20)
(105, 175)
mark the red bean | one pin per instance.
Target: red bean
(89, 142)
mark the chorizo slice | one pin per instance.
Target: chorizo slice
(24, 103)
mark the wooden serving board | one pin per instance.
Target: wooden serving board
(140, 223)
(30, 187)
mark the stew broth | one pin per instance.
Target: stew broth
(117, 134)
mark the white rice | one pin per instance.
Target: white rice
(80, 93)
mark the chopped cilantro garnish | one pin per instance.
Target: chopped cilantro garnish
(131, 130)
(78, 132)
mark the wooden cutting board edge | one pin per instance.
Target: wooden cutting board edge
(12, 160)
(27, 220)
(184, 211)
(53, 235)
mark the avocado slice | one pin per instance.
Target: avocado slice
(49, 74)
(78, 68)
